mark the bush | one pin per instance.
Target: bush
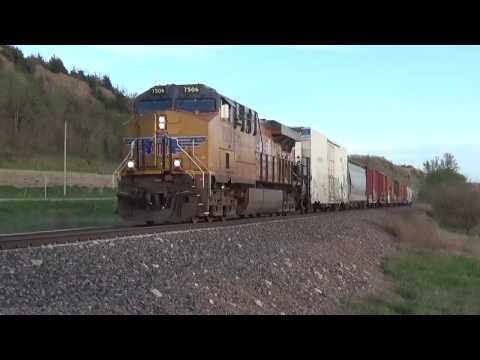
(55, 65)
(456, 205)
(455, 202)
(15, 56)
(107, 83)
(414, 229)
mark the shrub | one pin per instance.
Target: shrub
(15, 56)
(55, 65)
(457, 205)
(107, 83)
(414, 229)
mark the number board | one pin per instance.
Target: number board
(191, 90)
(159, 91)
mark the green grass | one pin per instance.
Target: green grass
(55, 163)
(11, 192)
(427, 282)
(25, 216)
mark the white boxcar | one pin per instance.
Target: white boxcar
(328, 161)
(358, 184)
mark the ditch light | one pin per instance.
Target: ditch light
(162, 122)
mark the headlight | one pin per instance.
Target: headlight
(177, 163)
(131, 164)
(162, 122)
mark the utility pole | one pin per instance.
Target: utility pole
(65, 162)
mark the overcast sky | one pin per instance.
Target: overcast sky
(407, 103)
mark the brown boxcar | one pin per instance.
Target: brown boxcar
(388, 191)
(382, 187)
(403, 194)
(375, 187)
(396, 192)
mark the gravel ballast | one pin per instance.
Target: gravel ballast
(286, 266)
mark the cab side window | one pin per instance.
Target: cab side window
(225, 113)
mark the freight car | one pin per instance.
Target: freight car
(357, 175)
(193, 153)
(327, 162)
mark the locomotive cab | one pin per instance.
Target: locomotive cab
(166, 163)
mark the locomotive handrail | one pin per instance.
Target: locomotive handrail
(203, 174)
(193, 161)
(120, 167)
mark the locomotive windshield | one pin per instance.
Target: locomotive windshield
(192, 105)
(154, 105)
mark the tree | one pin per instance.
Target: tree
(15, 56)
(447, 163)
(107, 83)
(55, 65)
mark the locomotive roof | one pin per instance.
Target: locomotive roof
(185, 90)
(285, 135)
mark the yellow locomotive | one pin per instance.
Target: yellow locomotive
(193, 153)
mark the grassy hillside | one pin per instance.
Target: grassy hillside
(38, 96)
(403, 173)
(435, 271)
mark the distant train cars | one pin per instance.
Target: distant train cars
(382, 190)
(193, 153)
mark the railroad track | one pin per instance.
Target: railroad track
(42, 238)
(35, 239)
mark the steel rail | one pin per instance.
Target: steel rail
(63, 236)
